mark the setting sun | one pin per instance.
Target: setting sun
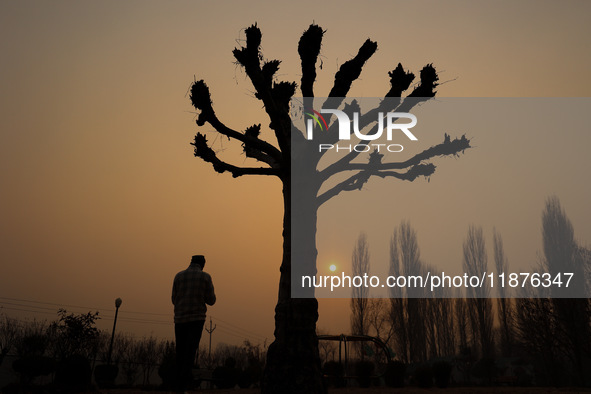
(332, 267)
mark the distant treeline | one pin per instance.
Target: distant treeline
(487, 340)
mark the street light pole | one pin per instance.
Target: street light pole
(210, 331)
(118, 302)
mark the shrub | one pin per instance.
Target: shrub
(254, 370)
(423, 376)
(32, 361)
(75, 334)
(334, 372)
(244, 379)
(167, 368)
(105, 375)
(226, 377)
(485, 369)
(29, 367)
(394, 376)
(363, 370)
(73, 374)
(442, 373)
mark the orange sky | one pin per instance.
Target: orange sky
(101, 195)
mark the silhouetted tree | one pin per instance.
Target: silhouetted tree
(359, 297)
(293, 363)
(538, 333)
(31, 345)
(503, 303)
(131, 361)
(8, 335)
(148, 356)
(440, 321)
(398, 302)
(378, 319)
(479, 305)
(461, 323)
(75, 334)
(554, 331)
(328, 349)
(409, 308)
(432, 319)
(562, 254)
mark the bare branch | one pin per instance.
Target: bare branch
(275, 96)
(357, 181)
(203, 151)
(349, 72)
(351, 69)
(252, 133)
(308, 49)
(253, 146)
(446, 148)
(400, 81)
(354, 182)
(375, 167)
(428, 83)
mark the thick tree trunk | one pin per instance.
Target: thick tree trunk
(293, 361)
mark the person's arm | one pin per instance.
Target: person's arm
(210, 293)
(173, 297)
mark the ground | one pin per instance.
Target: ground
(406, 390)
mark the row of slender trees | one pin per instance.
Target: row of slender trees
(552, 334)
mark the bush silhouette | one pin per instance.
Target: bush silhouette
(333, 374)
(73, 374)
(395, 374)
(29, 367)
(32, 361)
(167, 368)
(363, 370)
(442, 373)
(105, 375)
(226, 377)
(423, 376)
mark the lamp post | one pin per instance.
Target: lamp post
(118, 302)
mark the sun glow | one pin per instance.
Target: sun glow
(332, 268)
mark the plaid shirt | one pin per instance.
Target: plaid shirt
(191, 290)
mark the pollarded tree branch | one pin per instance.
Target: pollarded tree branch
(400, 81)
(275, 96)
(446, 148)
(309, 49)
(349, 72)
(356, 182)
(253, 146)
(351, 69)
(203, 151)
(428, 83)
(252, 133)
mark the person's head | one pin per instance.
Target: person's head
(199, 260)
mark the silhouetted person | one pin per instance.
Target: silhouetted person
(192, 289)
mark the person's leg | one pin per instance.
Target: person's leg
(182, 333)
(196, 330)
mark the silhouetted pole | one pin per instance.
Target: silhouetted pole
(118, 302)
(210, 331)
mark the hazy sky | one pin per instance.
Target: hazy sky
(102, 197)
